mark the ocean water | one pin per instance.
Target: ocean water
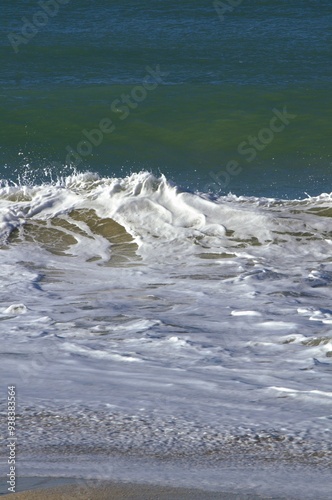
(165, 241)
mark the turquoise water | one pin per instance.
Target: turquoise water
(69, 66)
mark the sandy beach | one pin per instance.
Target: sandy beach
(117, 491)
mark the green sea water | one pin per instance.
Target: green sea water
(221, 77)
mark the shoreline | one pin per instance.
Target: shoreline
(73, 488)
(183, 480)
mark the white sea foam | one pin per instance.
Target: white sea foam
(218, 316)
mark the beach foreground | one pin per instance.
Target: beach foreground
(118, 491)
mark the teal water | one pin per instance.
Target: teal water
(220, 78)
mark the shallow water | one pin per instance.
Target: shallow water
(187, 327)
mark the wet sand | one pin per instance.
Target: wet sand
(117, 491)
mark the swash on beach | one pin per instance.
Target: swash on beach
(165, 242)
